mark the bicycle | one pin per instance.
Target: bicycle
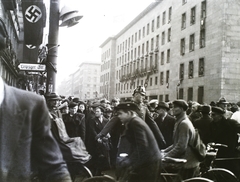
(210, 168)
(78, 171)
(170, 169)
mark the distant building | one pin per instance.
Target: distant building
(177, 49)
(84, 83)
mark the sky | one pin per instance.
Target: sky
(101, 19)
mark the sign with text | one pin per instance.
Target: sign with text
(32, 67)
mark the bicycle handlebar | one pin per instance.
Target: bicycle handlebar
(175, 160)
(217, 145)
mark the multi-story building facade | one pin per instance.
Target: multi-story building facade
(84, 83)
(11, 28)
(176, 49)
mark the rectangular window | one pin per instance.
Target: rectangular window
(182, 49)
(147, 28)
(167, 76)
(184, 2)
(147, 46)
(150, 81)
(169, 14)
(193, 16)
(152, 43)
(168, 56)
(163, 38)
(169, 35)
(161, 78)
(166, 98)
(153, 25)
(158, 21)
(164, 18)
(157, 41)
(190, 94)
(200, 94)
(139, 35)
(180, 93)
(143, 32)
(143, 49)
(162, 58)
(202, 38)
(156, 61)
(135, 37)
(181, 72)
(201, 67)
(190, 69)
(160, 97)
(203, 9)
(132, 39)
(192, 42)
(183, 21)
(156, 80)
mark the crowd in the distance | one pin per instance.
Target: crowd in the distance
(98, 128)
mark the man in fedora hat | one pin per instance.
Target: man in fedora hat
(223, 103)
(53, 103)
(165, 122)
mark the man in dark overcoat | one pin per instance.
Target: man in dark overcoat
(99, 148)
(224, 131)
(26, 142)
(75, 122)
(143, 160)
(203, 124)
(165, 122)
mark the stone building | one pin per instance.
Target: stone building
(83, 83)
(176, 49)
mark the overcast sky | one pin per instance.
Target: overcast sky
(101, 19)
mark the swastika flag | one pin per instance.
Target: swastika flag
(34, 15)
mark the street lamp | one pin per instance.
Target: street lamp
(69, 18)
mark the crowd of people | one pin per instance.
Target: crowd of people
(48, 137)
(105, 130)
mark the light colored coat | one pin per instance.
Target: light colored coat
(183, 135)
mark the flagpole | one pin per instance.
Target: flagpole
(52, 46)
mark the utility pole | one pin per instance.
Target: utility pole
(52, 46)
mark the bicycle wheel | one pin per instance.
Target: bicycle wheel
(220, 175)
(82, 173)
(198, 179)
(104, 178)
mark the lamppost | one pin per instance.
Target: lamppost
(69, 18)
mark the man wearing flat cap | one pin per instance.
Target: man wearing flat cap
(224, 131)
(203, 124)
(144, 155)
(183, 136)
(138, 95)
(165, 122)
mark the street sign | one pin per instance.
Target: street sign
(32, 67)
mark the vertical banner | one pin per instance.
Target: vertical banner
(34, 18)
